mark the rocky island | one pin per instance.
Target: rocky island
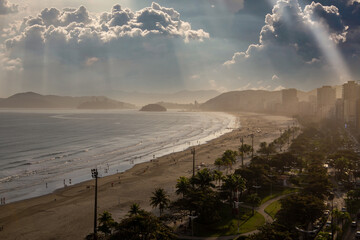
(153, 108)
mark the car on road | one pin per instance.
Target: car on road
(316, 226)
(343, 209)
(326, 213)
(353, 224)
(328, 224)
(312, 233)
(357, 235)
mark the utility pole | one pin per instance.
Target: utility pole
(95, 174)
(288, 135)
(193, 153)
(242, 151)
(252, 145)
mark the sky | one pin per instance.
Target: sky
(91, 47)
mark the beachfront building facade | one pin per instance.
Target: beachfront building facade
(351, 95)
(290, 101)
(325, 102)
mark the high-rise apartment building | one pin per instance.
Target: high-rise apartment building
(289, 100)
(325, 102)
(351, 93)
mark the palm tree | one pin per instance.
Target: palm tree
(135, 210)
(106, 223)
(229, 157)
(218, 176)
(219, 162)
(183, 186)
(234, 183)
(145, 227)
(245, 148)
(203, 179)
(254, 201)
(266, 149)
(341, 165)
(159, 199)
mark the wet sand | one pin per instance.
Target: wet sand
(68, 212)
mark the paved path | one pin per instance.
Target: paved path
(260, 209)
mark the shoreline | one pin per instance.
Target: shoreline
(67, 213)
(113, 160)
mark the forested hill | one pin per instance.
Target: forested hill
(249, 100)
(35, 100)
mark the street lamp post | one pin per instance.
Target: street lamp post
(293, 130)
(252, 145)
(242, 151)
(95, 174)
(193, 153)
(192, 224)
(238, 212)
(288, 135)
(256, 187)
(331, 197)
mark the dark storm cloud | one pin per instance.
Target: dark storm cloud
(292, 43)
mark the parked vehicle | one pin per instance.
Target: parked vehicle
(326, 213)
(353, 224)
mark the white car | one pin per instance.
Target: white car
(353, 224)
(328, 224)
(357, 235)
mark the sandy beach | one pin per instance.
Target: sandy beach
(68, 212)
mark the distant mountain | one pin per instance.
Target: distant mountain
(104, 103)
(182, 97)
(35, 100)
(249, 100)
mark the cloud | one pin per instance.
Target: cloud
(275, 77)
(292, 40)
(7, 8)
(12, 65)
(91, 61)
(195, 77)
(214, 86)
(279, 88)
(75, 35)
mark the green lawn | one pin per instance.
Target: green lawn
(273, 208)
(229, 224)
(266, 196)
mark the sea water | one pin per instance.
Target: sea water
(43, 150)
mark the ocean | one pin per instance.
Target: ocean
(44, 150)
